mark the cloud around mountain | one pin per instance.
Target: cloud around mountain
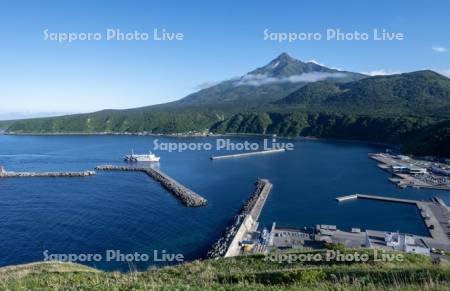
(263, 79)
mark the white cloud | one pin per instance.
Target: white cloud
(445, 72)
(323, 65)
(316, 62)
(205, 85)
(381, 72)
(440, 49)
(262, 79)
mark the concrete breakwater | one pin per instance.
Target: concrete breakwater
(46, 174)
(247, 154)
(186, 196)
(245, 221)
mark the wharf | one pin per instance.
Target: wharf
(188, 197)
(380, 198)
(247, 154)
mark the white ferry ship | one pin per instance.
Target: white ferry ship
(141, 157)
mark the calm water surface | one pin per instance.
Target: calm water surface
(132, 213)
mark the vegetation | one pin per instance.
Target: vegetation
(240, 273)
(419, 93)
(431, 139)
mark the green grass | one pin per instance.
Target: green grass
(239, 273)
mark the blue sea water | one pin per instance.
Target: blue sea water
(130, 212)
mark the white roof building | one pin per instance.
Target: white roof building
(406, 243)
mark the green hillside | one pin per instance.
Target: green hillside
(415, 272)
(432, 139)
(421, 93)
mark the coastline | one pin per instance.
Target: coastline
(186, 135)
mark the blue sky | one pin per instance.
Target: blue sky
(221, 40)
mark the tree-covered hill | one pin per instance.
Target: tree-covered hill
(421, 93)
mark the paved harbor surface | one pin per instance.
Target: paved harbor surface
(424, 179)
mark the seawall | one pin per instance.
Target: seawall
(242, 223)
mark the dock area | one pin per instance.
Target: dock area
(247, 154)
(409, 172)
(434, 213)
(10, 174)
(188, 197)
(245, 222)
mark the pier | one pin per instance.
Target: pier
(434, 213)
(379, 198)
(10, 174)
(185, 195)
(243, 223)
(247, 154)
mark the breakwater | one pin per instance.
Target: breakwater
(242, 223)
(9, 174)
(185, 195)
(247, 154)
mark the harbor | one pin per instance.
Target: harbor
(247, 154)
(243, 225)
(132, 205)
(188, 197)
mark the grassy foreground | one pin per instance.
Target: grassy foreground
(240, 273)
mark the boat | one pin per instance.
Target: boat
(133, 158)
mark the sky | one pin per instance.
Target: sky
(221, 40)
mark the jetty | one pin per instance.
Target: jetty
(245, 222)
(188, 197)
(247, 154)
(10, 174)
(434, 213)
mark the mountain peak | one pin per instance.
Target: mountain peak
(284, 57)
(286, 66)
(273, 81)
